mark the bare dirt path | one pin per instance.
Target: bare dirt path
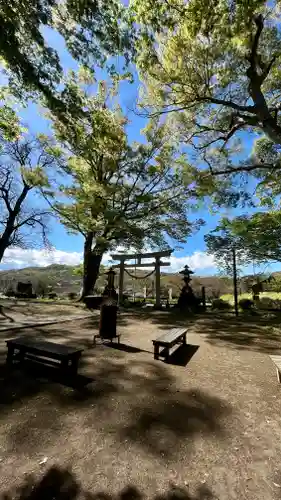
(208, 422)
(17, 314)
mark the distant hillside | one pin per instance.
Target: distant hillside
(56, 277)
(62, 279)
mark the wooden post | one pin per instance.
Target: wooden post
(157, 282)
(235, 281)
(203, 298)
(144, 292)
(170, 294)
(121, 281)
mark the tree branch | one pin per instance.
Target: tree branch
(6, 190)
(243, 168)
(32, 219)
(21, 199)
(223, 138)
(229, 104)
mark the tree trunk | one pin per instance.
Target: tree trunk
(92, 261)
(4, 243)
(5, 238)
(10, 224)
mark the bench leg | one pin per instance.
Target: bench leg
(74, 366)
(21, 355)
(184, 339)
(156, 351)
(95, 341)
(167, 355)
(278, 375)
(64, 365)
(10, 355)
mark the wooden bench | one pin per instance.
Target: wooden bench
(168, 340)
(41, 350)
(277, 361)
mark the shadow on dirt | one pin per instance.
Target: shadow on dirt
(152, 412)
(243, 333)
(61, 484)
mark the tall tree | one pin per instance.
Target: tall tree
(216, 67)
(118, 193)
(256, 237)
(223, 244)
(23, 169)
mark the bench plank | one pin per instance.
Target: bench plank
(43, 346)
(170, 336)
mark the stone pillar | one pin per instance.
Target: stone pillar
(121, 281)
(157, 282)
(144, 292)
(170, 294)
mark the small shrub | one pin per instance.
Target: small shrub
(72, 295)
(52, 295)
(220, 304)
(246, 304)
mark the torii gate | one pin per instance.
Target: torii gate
(122, 257)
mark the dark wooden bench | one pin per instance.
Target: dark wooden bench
(168, 340)
(41, 350)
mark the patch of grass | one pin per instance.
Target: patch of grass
(272, 295)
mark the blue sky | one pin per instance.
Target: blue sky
(68, 248)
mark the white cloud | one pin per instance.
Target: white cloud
(18, 258)
(197, 261)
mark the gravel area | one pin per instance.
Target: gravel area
(206, 425)
(18, 314)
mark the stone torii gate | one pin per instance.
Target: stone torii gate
(122, 257)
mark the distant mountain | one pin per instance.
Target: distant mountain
(63, 279)
(56, 277)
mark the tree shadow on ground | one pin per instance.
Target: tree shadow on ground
(260, 333)
(162, 427)
(61, 484)
(123, 347)
(152, 411)
(244, 333)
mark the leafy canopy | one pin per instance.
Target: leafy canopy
(216, 67)
(91, 30)
(257, 236)
(256, 239)
(118, 192)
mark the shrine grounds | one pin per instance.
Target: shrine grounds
(206, 425)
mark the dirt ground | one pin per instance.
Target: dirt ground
(19, 313)
(206, 425)
(38, 309)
